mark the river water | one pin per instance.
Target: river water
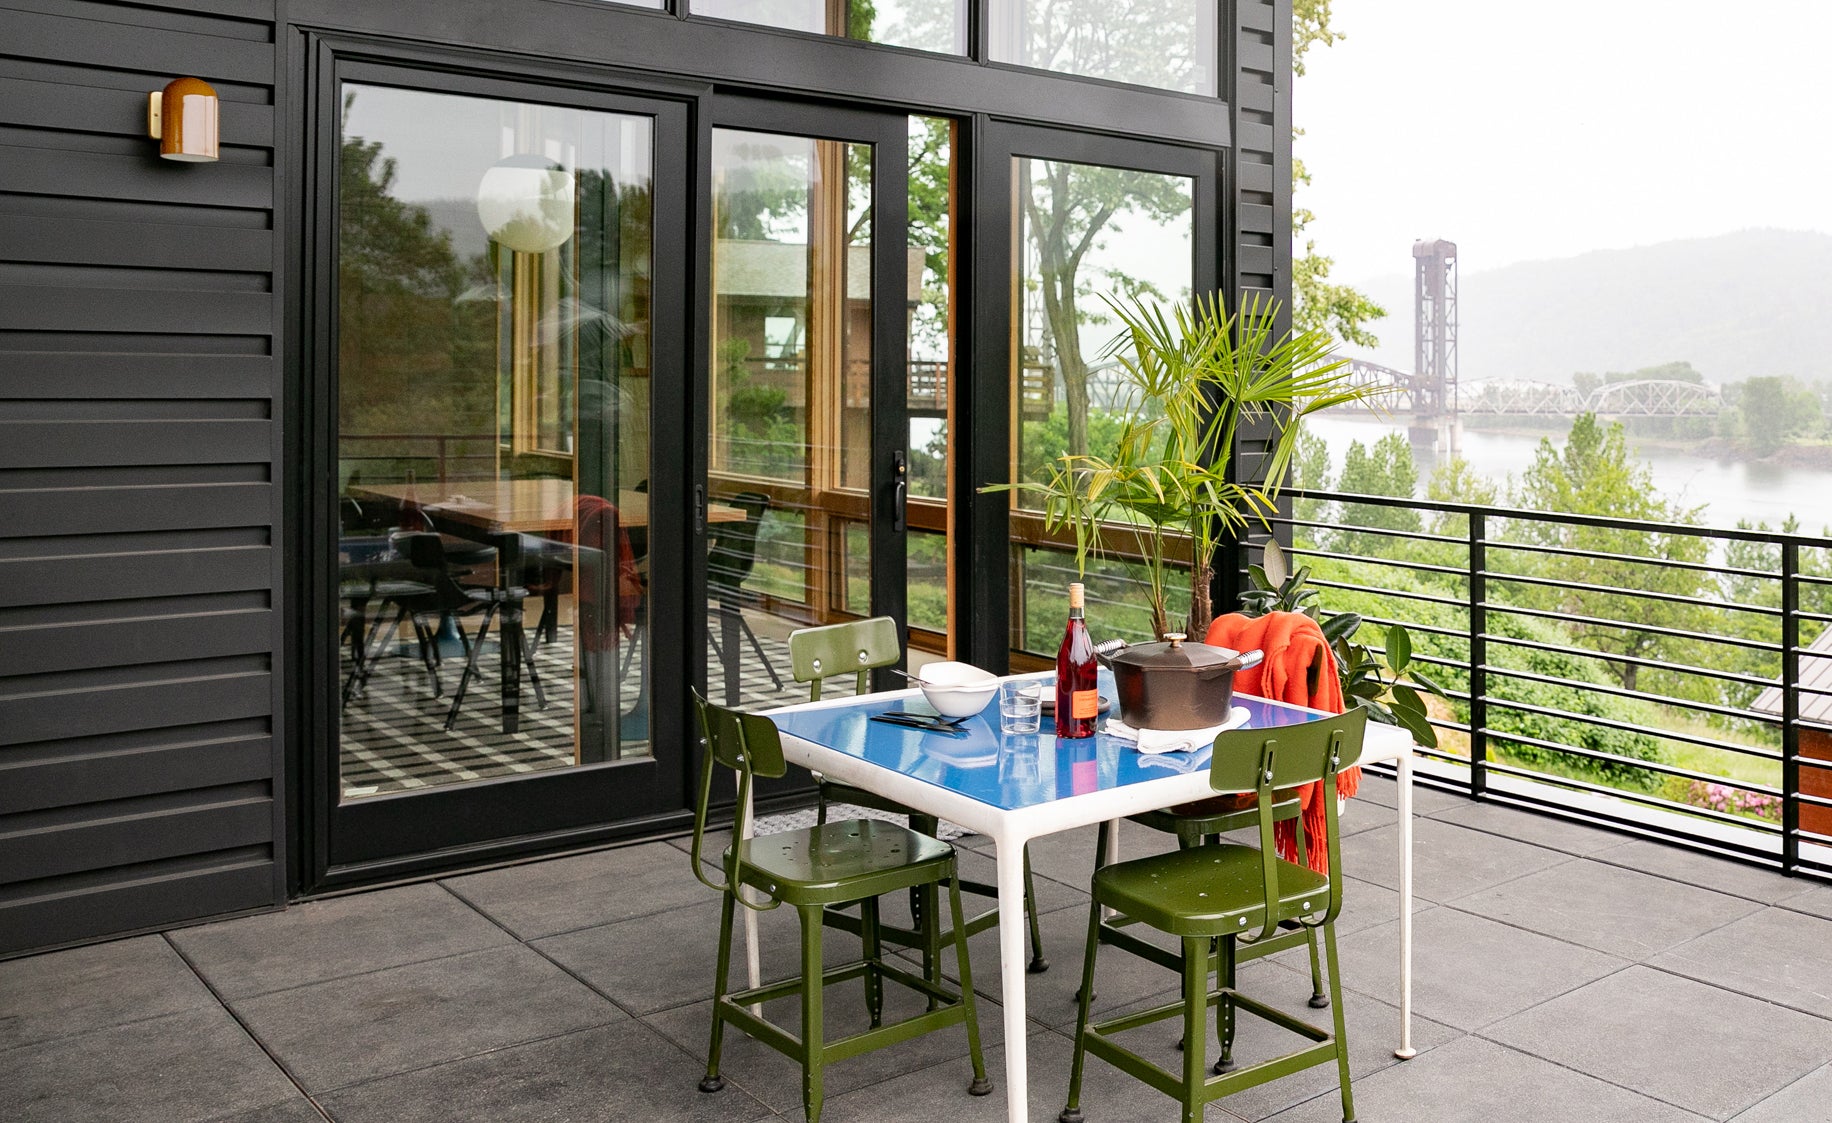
(1727, 489)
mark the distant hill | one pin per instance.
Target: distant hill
(1734, 306)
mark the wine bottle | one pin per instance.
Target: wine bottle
(1077, 675)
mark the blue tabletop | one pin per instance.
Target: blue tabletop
(1008, 771)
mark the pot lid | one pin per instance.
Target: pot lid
(1177, 653)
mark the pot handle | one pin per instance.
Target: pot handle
(1107, 649)
(1250, 659)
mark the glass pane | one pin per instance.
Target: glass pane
(1066, 390)
(931, 353)
(493, 417)
(1169, 44)
(790, 431)
(927, 25)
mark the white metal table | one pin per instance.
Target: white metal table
(1016, 787)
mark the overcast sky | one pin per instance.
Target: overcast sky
(1525, 132)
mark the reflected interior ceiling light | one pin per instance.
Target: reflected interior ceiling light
(525, 202)
(182, 118)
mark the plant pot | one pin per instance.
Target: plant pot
(1176, 685)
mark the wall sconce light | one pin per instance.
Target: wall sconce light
(525, 203)
(182, 118)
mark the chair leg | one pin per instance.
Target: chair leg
(1038, 964)
(1318, 1000)
(713, 1081)
(470, 667)
(980, 1085)
(811, 1012)
(1225, 1017)
(874, 960)
(1342, 1039)
(1084, 999)
(1195, 1023)
(745, 626)
(429, 651)
(512, 618)
(931, 937)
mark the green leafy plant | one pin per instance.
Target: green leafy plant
(1385, 683)
(1194, 378)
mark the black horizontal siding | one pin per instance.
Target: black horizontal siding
(139, 311)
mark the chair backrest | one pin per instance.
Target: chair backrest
(1267, 760)
(734, 555)
(855, 647)
(749, 745)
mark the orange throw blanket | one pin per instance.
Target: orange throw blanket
(1300, 669)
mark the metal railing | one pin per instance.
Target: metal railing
(1652, 677)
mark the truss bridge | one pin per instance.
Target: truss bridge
(1525, 398)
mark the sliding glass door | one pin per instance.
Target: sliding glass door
(503, 305)
(815, 286)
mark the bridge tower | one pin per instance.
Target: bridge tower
(1434, 363)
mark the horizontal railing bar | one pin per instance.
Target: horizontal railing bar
(1423, 598)
(1633, 660)
(1651, 629)
(1635, 763)
(1611, 591)
(1761, 825)
(1390, 563)
(1753, 751)
(1623, 692)
(1770, 537)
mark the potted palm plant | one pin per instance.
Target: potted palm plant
(1195, 378)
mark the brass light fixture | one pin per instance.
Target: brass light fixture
(182, 118)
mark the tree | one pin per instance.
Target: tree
(1338, 309)
(1068, 209)
(1595, 474)
(1771, 411)
(1386, 469)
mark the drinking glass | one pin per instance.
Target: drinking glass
(1020, 707)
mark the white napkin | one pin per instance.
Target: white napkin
(1154, 741)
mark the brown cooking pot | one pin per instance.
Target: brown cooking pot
(1175, 684)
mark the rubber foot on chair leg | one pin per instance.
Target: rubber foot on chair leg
(712, 1084)
(1221, 1067)
(1319, 1002)
(1069, 1115)
(1038, 966)
(981, 1086)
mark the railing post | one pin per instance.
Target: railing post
(1478, 654)
(1790, 705)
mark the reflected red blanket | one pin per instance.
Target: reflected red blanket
(607, 598)
(1299, 668)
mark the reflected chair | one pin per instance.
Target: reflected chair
(809, 870)
(859, 647)
(426, 552)
(609, 592)
(728, 566)
(1232, 896)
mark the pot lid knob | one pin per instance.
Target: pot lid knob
(1175, 639)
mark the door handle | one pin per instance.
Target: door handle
(900, 490)
(699, 508)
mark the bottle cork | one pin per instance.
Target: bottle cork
(1075, 594)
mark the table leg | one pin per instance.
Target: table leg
(1109, 857)
(729, 652)
(1009, 856)
(1405, 1052)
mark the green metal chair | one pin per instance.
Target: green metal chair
(858, 860)
(1237, 895)
(1203, 823)
(858, 647)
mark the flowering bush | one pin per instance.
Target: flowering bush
(1734, 801)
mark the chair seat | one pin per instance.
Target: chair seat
(1216, 814)
(1206, 890)
(843, 861)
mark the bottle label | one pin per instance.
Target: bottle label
(1084, 704)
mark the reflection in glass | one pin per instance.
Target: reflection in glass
(1084, 231)
(1169, 44)
(931, 351)
(790, 418)
(927, 25)
(492, 371)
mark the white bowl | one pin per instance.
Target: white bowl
(958, 689)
